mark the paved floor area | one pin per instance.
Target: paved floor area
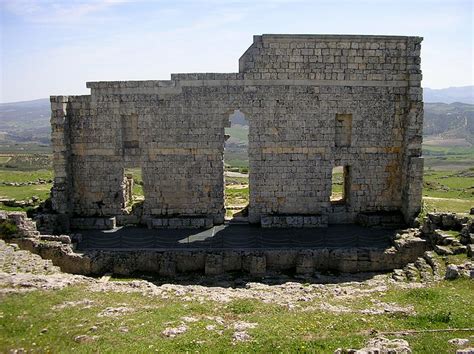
(235, 236)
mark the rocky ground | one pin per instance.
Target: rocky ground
(22, 271)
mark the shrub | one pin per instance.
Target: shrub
(7, 229)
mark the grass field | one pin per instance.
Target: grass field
(449, 184)
(23, 176)
(32, 321)
(24, 192)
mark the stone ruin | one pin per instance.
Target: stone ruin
(313, 102)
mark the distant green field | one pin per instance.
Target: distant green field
(27, 148)
(25, 162)
(236, 158)
(448, 158)
(238, 132)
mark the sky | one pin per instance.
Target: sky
(51, 47)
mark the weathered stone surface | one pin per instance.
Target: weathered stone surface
(167, 266)
(214, 264)
(93, 223)
(313, 102)
(257, 265)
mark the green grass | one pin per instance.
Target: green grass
(337, 183)
(138, 190)
(236, 196)
(23, 318)
(449, 184)
(447, 205)
(25, 192)
(24, 176)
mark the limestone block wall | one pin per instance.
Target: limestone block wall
(312, 102)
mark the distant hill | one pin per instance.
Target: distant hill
(26, 121)
(464, 94)
(449, 121)
(448, 118)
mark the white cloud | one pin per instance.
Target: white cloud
(53, 11)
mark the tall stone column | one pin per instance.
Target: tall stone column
(61, 151)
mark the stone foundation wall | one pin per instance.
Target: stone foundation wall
(406, 248)
(293, 91)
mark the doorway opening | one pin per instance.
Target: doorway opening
(340, 185)
(133, 194)
(236, 168)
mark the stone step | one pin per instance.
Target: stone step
(443, 250)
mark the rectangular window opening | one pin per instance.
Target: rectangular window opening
(343, 130)
(340, 185)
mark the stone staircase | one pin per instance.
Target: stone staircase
(424, 269)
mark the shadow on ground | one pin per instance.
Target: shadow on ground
(234, 236)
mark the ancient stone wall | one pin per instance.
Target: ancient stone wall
(313, 102)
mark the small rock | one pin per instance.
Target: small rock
(460, 342)
(452, 272)
(83, 338)
(114, 311)
(189, 319)
(93, 329)
(44, 330)
(210, 327)
(173, 332)
(241, 336)
(465, 351)
(241, 325)
(123, 329)
(443, 250)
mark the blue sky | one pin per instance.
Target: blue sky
(54, 47)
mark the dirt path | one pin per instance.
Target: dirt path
(452, 199)
(235, 174)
